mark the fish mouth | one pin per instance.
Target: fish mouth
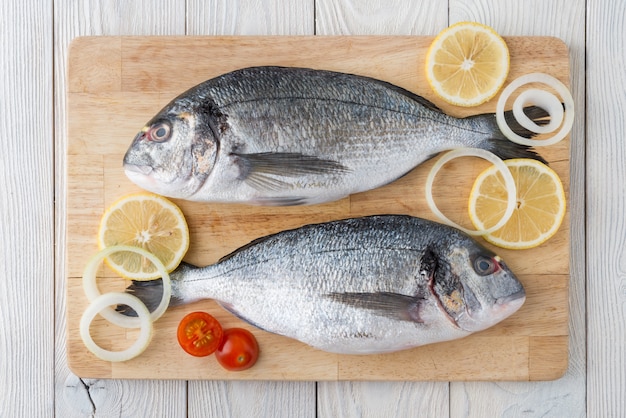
(482, 316)
(133, 169)
(141, 175)
(512, 302)
(517, 297)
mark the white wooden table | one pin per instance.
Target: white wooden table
(34, 378)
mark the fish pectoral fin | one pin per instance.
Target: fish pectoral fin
(391, 305)
(264, 170)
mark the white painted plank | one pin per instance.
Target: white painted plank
(606, 203)
(251, 399)
(564, 20)
(376, 399)
(382, 399)
(250, 17)
(76, 397)
(380, 17)
(26, 208)
(564, 397)
(240, 398)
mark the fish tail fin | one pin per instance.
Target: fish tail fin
(150, 292)
(504, 148)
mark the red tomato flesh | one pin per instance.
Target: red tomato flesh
(239, 350)
(199, 334)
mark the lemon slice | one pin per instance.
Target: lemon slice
(147, 221)
(467, 64)
(540, 204)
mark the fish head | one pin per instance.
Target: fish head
(476, 289)
(173, 154)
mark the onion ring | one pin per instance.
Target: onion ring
(550, 81)
(486, 155)
(543, 99)
(104, 301)
(91, 288)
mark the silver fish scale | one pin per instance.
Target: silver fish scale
(361, 123)
(284, 283)
(286, 136)
(289, 136)
(337, 98)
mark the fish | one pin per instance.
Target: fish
(299, 136)
(365, 285)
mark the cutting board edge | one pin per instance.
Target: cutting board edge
(76, 367)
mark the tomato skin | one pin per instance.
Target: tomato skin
(239, 350)
(199, 334)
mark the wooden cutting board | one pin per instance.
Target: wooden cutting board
(116, 84)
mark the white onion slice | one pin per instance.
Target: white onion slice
(547, 80)
(104, 301)
(91, 288)
(486, 155)
(543, 99)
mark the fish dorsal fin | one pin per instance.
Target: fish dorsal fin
(387, 304)
(267, 170)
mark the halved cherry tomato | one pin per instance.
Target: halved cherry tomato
(199, 334)
(238, 350)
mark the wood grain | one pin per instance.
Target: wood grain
(241, 398)
(383, 399)
(214, 398)
(26, 209)
(75, 397)
(219, 229)
(381, 17)
(606, 200)
(250, 17)
(566, 396)
(594, 35)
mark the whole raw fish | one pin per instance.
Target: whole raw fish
(289, 136)
(356, 286)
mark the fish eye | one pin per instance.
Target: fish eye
(485, 265)
(159, 132)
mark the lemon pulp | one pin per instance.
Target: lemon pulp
(467, 64)
(540, 204)
(148, 221)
